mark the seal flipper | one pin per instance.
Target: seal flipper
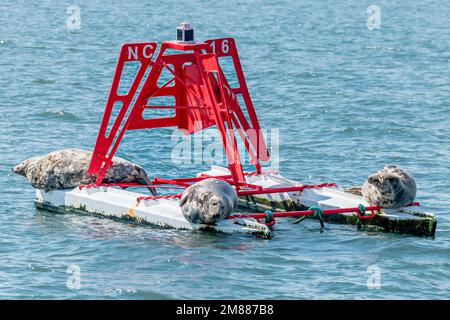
(147, 181)
(152, 190)
(144, 179)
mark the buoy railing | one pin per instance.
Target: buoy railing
(242, 188)
(127, 185)
(269, 216)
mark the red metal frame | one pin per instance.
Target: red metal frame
(203, 98)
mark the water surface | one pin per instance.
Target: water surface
(346, 100)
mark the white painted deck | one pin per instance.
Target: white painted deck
(117, 203)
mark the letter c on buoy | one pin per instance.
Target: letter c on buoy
(147, 48)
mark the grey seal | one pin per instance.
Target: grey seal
(66, 169)
(391, 187)
(208, 201)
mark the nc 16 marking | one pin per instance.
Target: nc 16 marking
(146, 51)
(220, 47)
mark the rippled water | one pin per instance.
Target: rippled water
(346, 100)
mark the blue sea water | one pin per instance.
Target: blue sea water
(346, 100)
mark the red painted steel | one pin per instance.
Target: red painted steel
(301, 213)
(202, 98)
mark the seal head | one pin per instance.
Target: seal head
(208, 201)
(22, 167)
(391, 187)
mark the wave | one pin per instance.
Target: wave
(58, 114)
(5, 43)
(44, 81)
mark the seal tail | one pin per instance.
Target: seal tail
(146, 180)
(153, 190)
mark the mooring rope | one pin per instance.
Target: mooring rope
(316, 211)
(169, 196)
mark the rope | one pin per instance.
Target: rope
(362, 210)
(319, 214)
(169, 196)
(269, 220)
(299, 220)
(318, 186)
(361, 213)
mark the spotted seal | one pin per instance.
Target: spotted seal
(391, 187)
(66, 169)
(208, 201)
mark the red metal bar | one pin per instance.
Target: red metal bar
(226, 47)
(284, 189)
(142, 52)
(205, 176)
(229, 179)
(199, 97)
(169, 181)
(302, 213)
(312, 212)
(128, 185)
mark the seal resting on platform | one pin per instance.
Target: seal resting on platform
(67, 169)
(208, 201)
(391, 187)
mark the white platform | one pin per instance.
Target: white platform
(117, 203)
